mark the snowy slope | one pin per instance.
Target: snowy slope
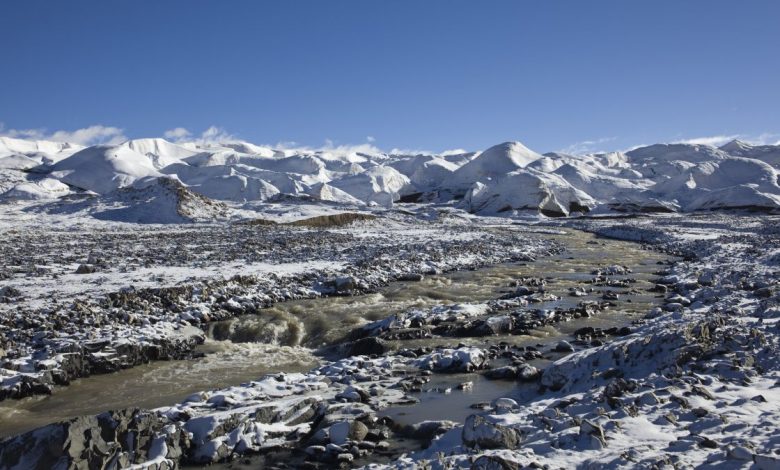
(157, 200)
(503, 179)
(527, 189)
(492, 163)
(161, 152)
(104, 168)
(766, 153)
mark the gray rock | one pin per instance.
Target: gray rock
(740, 453)
(528, 373)
(564, 347)
(479, 432)
(86, 269)
(593, 434)
(494, 462)
(367, 347)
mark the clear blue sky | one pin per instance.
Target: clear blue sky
(431, 74)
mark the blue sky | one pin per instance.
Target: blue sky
(433, 75)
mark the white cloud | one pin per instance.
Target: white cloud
(453, 152)
(332, 146)
(177, 134)
(766, 138)
(91, 135)
(408, 151)
(713, 140)
(587, 146)
(216, 134)
(370, 139)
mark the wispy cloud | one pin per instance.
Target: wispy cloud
(217, 134)
(766, 138)
(177, 134)
(330, 146)
(212, 135)
(587, 146)
(91, 135)
(713, 140)
(453, 152)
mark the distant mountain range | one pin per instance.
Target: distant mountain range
(147, 178)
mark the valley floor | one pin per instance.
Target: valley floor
(692, 380)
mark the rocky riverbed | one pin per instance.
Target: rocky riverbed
(98, 301)
(689, 381)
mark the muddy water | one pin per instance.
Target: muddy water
(283, 337)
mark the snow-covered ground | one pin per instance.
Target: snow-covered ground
(101, 297)
(696, 385)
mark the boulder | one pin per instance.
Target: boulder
(479, 432)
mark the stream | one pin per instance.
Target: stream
(286, 336)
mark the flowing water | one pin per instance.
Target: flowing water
(283, 337)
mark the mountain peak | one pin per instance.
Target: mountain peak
(735, 144)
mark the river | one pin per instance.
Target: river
(285, 337)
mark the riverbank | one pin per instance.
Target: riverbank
(698, 384)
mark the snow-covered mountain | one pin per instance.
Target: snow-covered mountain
(506, 179)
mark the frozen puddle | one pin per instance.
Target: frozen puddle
(284, 338)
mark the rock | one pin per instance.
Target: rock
(740, 453)
(411, 277)
(504, 405)
(707, 278)
(345, 284)
(86, 269)
(661, 288)
(523, 291)
(702, 392)
(428, 430)
(610, 296)
(463, 359)
(647, 399)
(315, 450)
(564, 347)
(367, 347)
(674, 307)
(9, 292)
(585, 331)
(353, 394)
(92, 442)
(528, 373)
(766, 462)
(623, 331)
(708, 443)
(339, 433)
(358, 431)
(495, 462)
(593, 434)
(617, 388)
(479, 432)
(502, 373)
(764, 292)
(577, 292)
